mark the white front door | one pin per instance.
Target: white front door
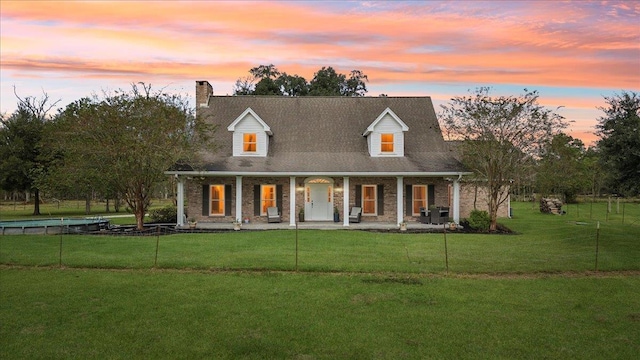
(318, 205)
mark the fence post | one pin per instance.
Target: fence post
(446, 252)
(597, 243)
(623, 212)
(61, 232)
(155, 262)
(296, 246)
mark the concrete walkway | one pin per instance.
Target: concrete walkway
(320, 225)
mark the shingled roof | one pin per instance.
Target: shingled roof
(325, 135)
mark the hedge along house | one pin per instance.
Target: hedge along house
(317, 154)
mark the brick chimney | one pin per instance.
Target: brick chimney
(203, 91)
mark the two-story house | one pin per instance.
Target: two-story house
(386, 155)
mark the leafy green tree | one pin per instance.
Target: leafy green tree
(327, 82)
(562, 169)
(595, 174)
(292, 85)
(76, 172)
(23, 160)
(355, 85)
(266, 86)
(268, 80)
(244, 86)
(500, 135)
(619, 144)
(265, 72)
(131, 138)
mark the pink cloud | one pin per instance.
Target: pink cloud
(577, 45)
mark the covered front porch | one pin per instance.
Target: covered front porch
(411, 226)
(386, 200)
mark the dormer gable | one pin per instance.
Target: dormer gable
(385, 135)
(250, 134)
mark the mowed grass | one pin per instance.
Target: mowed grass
(543, 243)
(72, 209)
(161, 314)
(357, 295)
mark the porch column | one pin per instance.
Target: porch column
(238, 198)
(180, 201)
(456, 201)
(400, 203)
(292, 201)
(345, 200)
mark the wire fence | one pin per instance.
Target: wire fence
(582, 247)
(586, 238)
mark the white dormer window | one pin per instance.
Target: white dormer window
(250, 135)
(385, 135)
(386, 143)
(249, 143)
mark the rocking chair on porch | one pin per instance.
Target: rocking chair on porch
(354, 216)
(273, 215)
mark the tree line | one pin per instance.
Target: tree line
(268, 80)
(119, 144)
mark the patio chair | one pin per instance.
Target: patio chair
(354, 216)
(273, 215)
(439, 215)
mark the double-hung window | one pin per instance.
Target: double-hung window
(249, 142)
(386, 143)
(267, 198)
(217, 200)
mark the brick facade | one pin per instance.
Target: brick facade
(193, 192)
(471, 194)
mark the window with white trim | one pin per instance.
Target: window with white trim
(369, 200)
(217, 200)
(249, 142)
(386, 143)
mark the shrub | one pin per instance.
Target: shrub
(479, 220)
(167, 214)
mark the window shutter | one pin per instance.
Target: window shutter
(408, 193)
(431, 195)
(228, 200)
(358, 199)
(256, 200)
(380, 199)
(279, 198)
(205, 199)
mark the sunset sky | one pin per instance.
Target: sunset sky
(573, 53)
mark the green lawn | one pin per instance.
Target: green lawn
(150, 314)
(71, 208)
(357, 295)
(544, 243)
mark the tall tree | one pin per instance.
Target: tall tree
(500, 135)
(562, 168)
(244, 86)
(292, 85)
(355, 84)
(77, 172)
(327, 82)
(268, 80)
(132, 138)
(23, 160)
(619, 144)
